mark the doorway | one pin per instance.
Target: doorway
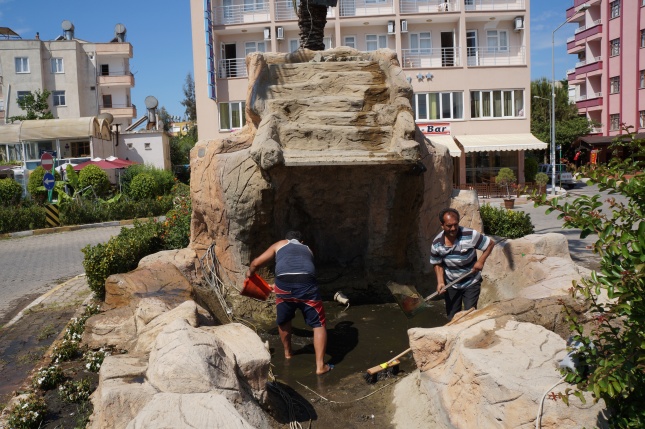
(229, 54)
(472, 55)
(447, 49)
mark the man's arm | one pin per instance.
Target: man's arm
(441, 282)
(264, 258)
(479, 265)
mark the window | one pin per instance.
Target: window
(327, 42)
(614, 122)
(22, 65)
(254, 47)
(615, 8)
(59, 98)
(146, 146)
(615, 47)
(614, 85)
(22, 94)
(350, 41)
(375, 41)
(420, 43)
(105, 69)
(497, 40)
(641, 118)
(643, 37)
(374, 1)
(231, 115)
(294, 44)
(80, 149)
(438, 105)
(251, 5)
(57, 65)
(497, 104)
(642, 79)
(107, 101)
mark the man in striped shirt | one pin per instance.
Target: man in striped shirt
(454, 253)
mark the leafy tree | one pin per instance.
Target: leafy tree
(611, 352)
(36, 106)
(165, 119)
(569, 125)
(189, 101)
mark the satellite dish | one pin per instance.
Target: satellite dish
(151, 102)
(67, 25)
(119, 28)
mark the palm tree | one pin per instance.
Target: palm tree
(312, 18)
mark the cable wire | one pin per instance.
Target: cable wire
(538, 420)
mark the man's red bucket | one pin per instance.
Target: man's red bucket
(256, 287)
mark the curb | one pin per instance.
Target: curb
(58, 229)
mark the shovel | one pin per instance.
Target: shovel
(410, 301)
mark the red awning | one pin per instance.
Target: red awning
(104, 164)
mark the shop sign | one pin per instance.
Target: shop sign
(434, 128)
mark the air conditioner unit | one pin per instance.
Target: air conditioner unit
(267, 33)
(518, 23)
(390, 27)
(404, 26)
(279, 31)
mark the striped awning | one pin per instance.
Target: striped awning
(448, 141)
(51, 129)
(500, 142)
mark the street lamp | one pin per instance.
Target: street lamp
(582, 8)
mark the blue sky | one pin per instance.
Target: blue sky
(160, 35)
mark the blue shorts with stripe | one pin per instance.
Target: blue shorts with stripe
(299, 292)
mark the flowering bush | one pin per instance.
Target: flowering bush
(75, 391)
(67, 349)
(94, 359)
(176, 228)
(28, 413)
(48, 377)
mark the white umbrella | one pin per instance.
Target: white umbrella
(62, 169)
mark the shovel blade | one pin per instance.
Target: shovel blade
(409, 300)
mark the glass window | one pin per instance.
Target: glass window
(349, 41)
(438, 105)
(615, 8)
(57, 65)
(294, 44)
(614, 85)
(231, 115)
(497, 104)
(643, 37)
(641, 118)
(327, 42)
(80, 149)
(614, 122)
(22, 94)
(22, 65)
(615, 47)
(420, 43)
(375, 41)
(497, 40)
(251, 5)
(250, 47)
(642, 79)
(59, 98)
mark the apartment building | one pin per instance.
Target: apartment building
(84, 78)
(609, 76)
(467, 61)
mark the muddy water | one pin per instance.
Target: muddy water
(359, 338)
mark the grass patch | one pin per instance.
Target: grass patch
(31, 357)
(46, 332)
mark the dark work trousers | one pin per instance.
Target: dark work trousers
(455, 297)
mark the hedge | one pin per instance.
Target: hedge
(505, 223)
(10, 192)
(22, 218)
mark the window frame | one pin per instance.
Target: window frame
(440, 105)
(614, 122)
(256, 47)
(353, 45)
(291, 42)
(643, 37)
(55, 63)
(614, 85)
(23, 61)
(641, 118)
(379, 38)
(614, 9)
(498, 96)
(253, 5)
(241, 106)
(58, 99)
(642, 78)
(614, 47)
(498, 47)
(419, 36)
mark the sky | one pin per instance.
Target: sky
(162, 47)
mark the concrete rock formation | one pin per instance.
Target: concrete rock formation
(330, 148)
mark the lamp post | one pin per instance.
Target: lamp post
(582, 8)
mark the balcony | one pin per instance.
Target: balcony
(589, 66)
(241, 13)
(484, 57)
(284, 11)
(231, 68)
(114, 49)
(591, 96)
(119, 110)
(117, 79)
(596, 130)
(482, 5)
(366, 7)
(428, 6)
(430, 58)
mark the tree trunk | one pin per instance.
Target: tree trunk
(311, 20)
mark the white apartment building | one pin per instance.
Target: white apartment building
(467, 61)
(84, 78)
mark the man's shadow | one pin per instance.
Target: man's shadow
(341, 339)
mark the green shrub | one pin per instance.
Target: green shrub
(143, 186)
(48, 377)
(76, 391)
(176, 228)
(506, 178)
(505, 223)
(28, 413)
(10, 192)
(530, 169)
(120, 254)
(35, 181)
(22, 218)
(541, 179)
(78, 212)
(93, 176)
(164, 179)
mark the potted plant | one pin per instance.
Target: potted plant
(507, 179)
(541, 179)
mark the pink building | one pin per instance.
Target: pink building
(609, 77)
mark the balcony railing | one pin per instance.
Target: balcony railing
(482, 57)
(428, 6)
(233, 67)
(284, 11)
(596, 130)
(430, 58)
(494, 4)
(589, 96)
(586, 27)
(366, 7)
(591, 61)
(241, 13)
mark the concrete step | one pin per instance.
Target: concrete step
(314, 137)
(359, 71)
(297, 91)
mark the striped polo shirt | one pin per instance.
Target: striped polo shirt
(459, 258)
